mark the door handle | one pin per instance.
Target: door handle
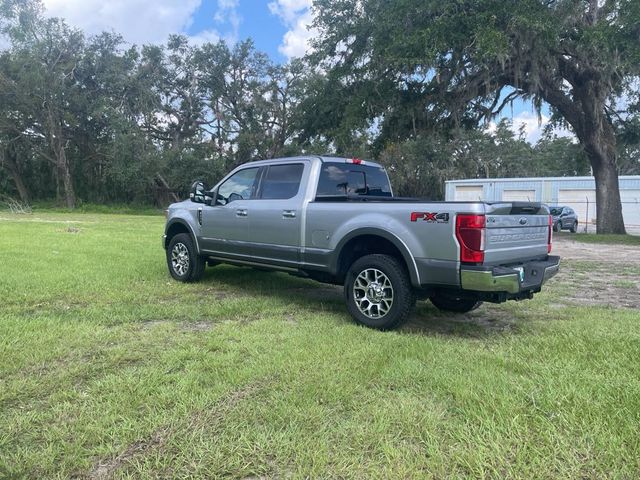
(289, 213)
(241, 212)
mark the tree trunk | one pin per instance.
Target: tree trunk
(599, 141)
(9, 155)
(600, 146)
(586, 114)
(69, 193)
(62, 163)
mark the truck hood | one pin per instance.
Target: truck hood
(183, 204)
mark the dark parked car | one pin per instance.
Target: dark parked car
(564, 218)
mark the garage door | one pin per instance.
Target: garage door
(519, 195)
(631, 207)
(582, 201)
(469, 193)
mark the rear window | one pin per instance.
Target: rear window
(349, 179)
(555, 211)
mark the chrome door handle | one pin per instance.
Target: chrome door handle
(289, 213)
(242, 212)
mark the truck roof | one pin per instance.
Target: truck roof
(322, 158)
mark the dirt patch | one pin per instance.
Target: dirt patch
(290, 318)
(199, 326)
(184, 326)
(106, 470)
(599, 274)
(573, 250)
(151, 324)
(211, 293)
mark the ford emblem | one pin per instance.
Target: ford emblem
(523, 221)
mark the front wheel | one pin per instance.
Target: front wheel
(378, 292)
(185, 265)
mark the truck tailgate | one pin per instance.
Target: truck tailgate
(515, 232)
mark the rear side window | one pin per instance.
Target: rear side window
(281, 182)
(350, 179)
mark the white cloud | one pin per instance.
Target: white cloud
(4, 42)
(145, 21)
(227, 13)
(297, 17)
(138, 21)
(205, 36)
(533, 126)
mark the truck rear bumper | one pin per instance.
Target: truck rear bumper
(509, 279)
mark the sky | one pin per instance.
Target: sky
(280, 28)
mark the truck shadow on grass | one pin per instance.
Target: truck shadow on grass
(488, 320)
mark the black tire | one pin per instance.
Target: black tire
(556, 226)
(398, 298)
(574, 227)
(190, 267)
(450, 302)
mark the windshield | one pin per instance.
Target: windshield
(555, 211)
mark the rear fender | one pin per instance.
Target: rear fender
(378, 232)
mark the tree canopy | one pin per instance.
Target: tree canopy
(420, 66)
(411, 84)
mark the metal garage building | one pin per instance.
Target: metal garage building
(577, 192)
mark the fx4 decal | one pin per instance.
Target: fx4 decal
(431, 217)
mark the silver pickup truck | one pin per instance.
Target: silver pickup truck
(335, 220)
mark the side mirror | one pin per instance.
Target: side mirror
(197, 193)
(210, 198)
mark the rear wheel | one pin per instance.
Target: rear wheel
(574, 227)
(556, 226)
(450, 302)
(185, 265)
(378, 292)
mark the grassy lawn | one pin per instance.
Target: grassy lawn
(109, 369)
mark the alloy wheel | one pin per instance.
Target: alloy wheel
(180, 259)
(373, 293)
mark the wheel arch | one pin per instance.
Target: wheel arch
(365, 241)
(177, 226)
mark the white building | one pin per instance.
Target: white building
(578, 193)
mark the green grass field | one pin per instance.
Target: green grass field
(109, 369)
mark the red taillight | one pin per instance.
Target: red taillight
(470, 235)
(550, 237)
